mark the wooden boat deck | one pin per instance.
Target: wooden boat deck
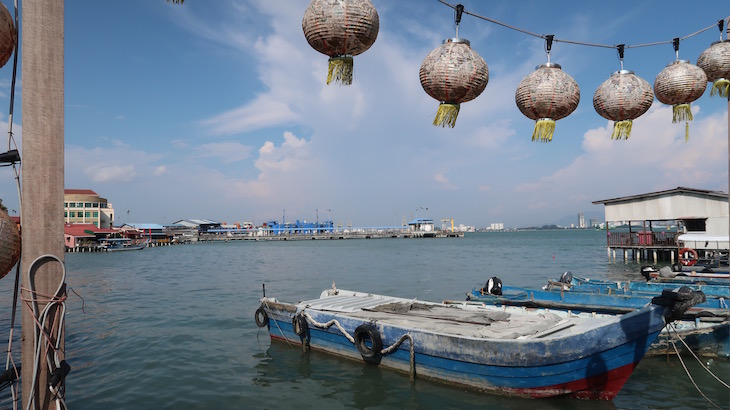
(463, 320)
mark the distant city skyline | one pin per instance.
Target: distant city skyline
(220, 110)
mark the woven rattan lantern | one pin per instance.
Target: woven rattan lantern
(452, 74)
(678, 85)
(547, 95)
(9, 244)
(341, 29)
(8, 35)
(715, 62)
(622, 98)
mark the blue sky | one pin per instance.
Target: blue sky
(220, 110)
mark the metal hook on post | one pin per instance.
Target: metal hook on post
(675, 43)
(458, 11)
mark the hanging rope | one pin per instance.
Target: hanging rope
(670, 326)
(47, 344)
(386, 351)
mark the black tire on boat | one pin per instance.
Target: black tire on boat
(262, 319)
(300, 325)
(369, 343)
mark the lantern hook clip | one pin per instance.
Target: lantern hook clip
(675, 43)
(721, 26)
(548, 45)
(620, 48)
(458, 11)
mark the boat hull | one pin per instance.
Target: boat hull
(594, 364)
(705, 329)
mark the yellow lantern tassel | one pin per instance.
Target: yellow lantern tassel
(446, 115)
(622, 129)
(720, 88)
(340, 70)
(681, 112)
(544, 129)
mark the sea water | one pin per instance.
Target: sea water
(173, 327)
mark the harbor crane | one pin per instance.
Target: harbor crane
(449, 220)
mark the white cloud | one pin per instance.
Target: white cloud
(226, 152)
(110, 173)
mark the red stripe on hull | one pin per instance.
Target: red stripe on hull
(604, 386)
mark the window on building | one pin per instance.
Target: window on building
(695, 225)
(65, 204)
(65, 214)
(72, 214)
(87, 214)
(96, 214)
(102, 205)
(87, 204)
(95, 205)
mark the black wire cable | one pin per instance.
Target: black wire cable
(581, 43)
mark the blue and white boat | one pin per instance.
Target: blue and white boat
(704, 328)
(474, 344)
(639, 288)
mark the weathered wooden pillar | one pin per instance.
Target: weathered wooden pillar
(42, 174)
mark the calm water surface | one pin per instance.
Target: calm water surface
(173, 327)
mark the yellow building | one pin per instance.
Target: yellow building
(86, 206)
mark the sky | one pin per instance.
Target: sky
(221, 110)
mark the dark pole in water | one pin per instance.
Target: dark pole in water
(42, 189)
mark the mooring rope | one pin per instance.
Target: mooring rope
(686, 370)
(277, 324)
(672, 328)
(328, 325)
(390, 349)
(54, 312)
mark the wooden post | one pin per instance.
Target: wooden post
(42, 173)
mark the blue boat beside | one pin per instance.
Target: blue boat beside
(704, 328)
(477, 345)
(567, 282)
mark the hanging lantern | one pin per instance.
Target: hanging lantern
(715, 62)
(9, 244)
(622, 98)
(8, 35)
(678, 85)
(452, 74)
(340, 29)
(547, 95)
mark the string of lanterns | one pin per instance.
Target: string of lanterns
(455, 73)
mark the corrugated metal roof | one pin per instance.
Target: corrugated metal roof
(678, 190)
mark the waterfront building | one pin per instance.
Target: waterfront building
(699, 217)
(84, 206)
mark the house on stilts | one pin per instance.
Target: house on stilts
(681, 224)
